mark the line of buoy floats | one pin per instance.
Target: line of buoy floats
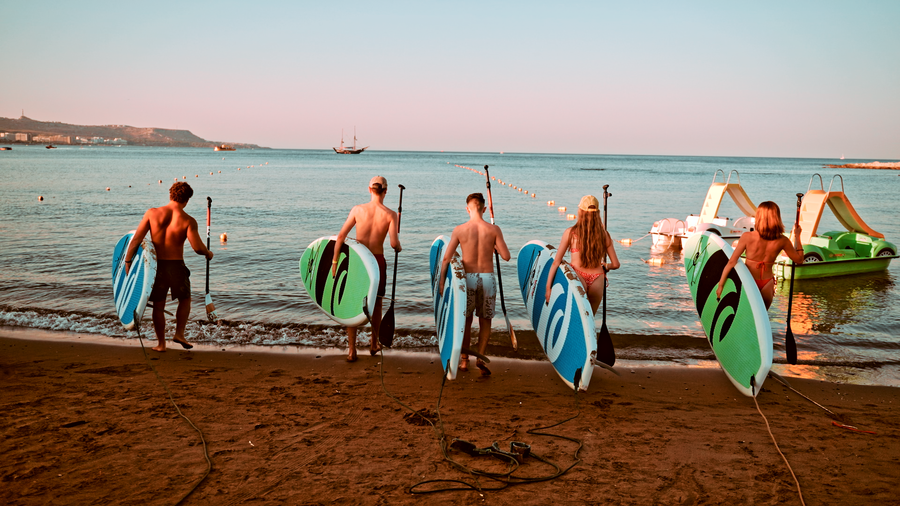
(656, 262)
(224, 237)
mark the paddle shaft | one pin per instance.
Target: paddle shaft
(605, 349)
(208, 219)
(386, 329)
(396, 253)
(496, 254)
(790, 345)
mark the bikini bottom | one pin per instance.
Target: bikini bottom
(588, 278)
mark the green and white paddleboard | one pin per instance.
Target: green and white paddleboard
(737, 326)
(349, 297)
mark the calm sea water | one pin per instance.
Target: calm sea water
(55, 255)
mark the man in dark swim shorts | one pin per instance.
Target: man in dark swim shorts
(373, 222)
(169, 227)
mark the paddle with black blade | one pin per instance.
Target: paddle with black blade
(509, 327)
(605, 351)
(211, 315)
(790, 345)
(386, 331)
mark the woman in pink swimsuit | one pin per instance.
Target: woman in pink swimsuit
(589, 245)
(763, 245)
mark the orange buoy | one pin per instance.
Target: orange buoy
(107, 188)
(562, 209)
(570, 217)
(655, 261)
(626, 242)
(40, 198)
(223, 237)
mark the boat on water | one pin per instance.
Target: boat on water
(349, 151)
(856, 250)
(224, 147)
(50, 146)
(5, 149)
(672, 232)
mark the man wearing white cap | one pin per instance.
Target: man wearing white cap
(373, 222)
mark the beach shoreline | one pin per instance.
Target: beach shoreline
(86, 421)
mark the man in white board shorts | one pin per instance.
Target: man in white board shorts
(169, 226)
(373, 222)
(478, 239)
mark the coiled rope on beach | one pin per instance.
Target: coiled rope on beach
(507, 478)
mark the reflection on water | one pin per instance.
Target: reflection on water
(839, 305)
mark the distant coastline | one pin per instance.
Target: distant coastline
(870, 165)
(28, 131)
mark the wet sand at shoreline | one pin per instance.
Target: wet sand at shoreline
(88, 422)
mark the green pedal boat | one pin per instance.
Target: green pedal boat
(856, 250)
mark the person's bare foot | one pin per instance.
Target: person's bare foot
(184, 344)
(484, 370)
(463, 363)
(374, 351)
(161, 348)
(351, 357)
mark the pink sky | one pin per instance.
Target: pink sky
(804, 79)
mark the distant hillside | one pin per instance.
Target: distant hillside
(135, 136)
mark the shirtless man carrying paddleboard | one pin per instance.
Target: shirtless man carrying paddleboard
(478, 240)
(373, 222)
(169, 226)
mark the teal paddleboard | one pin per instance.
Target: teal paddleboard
(449, 305)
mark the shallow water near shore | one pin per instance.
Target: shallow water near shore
(55, 255)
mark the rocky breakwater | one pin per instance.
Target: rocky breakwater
(870, 165)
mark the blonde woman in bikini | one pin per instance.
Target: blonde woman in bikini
(589, 244)
(763, 245)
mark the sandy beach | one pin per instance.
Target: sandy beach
(89, 423)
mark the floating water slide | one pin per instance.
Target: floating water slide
(714, 196)
(811, 212)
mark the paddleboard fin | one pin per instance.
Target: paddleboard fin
(466, 351)
(365, 307)
(609, 368)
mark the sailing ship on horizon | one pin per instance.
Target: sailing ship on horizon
(349, 151)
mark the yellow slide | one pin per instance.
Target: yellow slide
(714, 197)
(811, 212)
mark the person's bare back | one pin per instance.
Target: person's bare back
(478, 240)
(373, 222)
(170, 226)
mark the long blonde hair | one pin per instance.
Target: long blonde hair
(591, 238)
(768, 221)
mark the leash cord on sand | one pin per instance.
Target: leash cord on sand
(172, 399)
(506, 478)
(799, 492)
(781, 380)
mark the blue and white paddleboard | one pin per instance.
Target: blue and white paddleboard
(737, 326)
(449, 306)
(349, 297)
(565, 328)
(131, 292)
